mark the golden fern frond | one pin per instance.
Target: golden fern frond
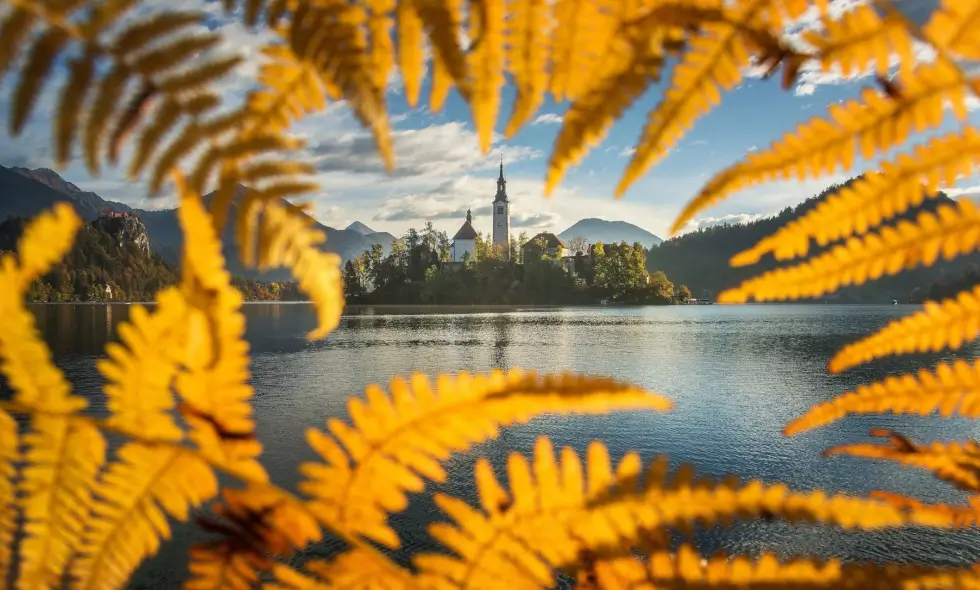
(953, 25)
(953, 230)
(874, 123)
(952, 389)
(859, 37)
(63, 458)
(578, 40)
(45, 241)
(289, 239)
(135, 495)
(382, 52)
(687, 568)
(442, 20)
(558, 509)
(214, 380)
(25, 359)
(9, 457)
(357, 569)
(140, 371)
(958, 515)
(220, 567)
(953, 462)
(874, 197)
(486, 63)
(332, 38)
(527, 32)
(633, 59)
(257, 524)
(398, 440)
(411, 56)
(947, 324)
(713, 60)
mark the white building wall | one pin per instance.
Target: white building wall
(501, 226)
(460, 247)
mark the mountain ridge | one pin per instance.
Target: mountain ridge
(599, 230)
(27, 192)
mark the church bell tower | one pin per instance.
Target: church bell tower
(501, 216)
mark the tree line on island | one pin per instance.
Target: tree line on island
(418, 270)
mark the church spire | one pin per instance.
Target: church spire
(469, 216)
(501, 184)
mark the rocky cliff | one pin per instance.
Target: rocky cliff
(125, 228)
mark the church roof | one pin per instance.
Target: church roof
(551, 241)
(466, 232)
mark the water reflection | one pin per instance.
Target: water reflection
(736, 374)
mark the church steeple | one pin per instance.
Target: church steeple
(469, 216)
(501, 184)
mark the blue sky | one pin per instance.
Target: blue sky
(440, 171)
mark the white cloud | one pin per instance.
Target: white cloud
(730, 219)
(627, 152)
(548, 119)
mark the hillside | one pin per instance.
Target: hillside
(609, 232)
(27, 192)
(700, 259)
(360, 228)
(107, 251)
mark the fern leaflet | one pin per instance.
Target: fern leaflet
(411, 57)
(288, 239)
(527, 33)
(950, 232)
(45, 241)
(257, 523)
(953, 25)
(952, 389)
(486, 63)
(874, 197)
(135, 494)
(714, 59)
(948, 324)
(63, 457)
(9, 456)
(874, 123)
(140, 371)
(214, 382)
(396, 441)
(554, 513)
(578, 41)
(357, 569)
(689, 570)
(956, 463)
(861, 36)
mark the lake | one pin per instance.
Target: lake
(737, 374)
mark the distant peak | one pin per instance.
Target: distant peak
(360, 228)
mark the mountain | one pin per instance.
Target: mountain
(27, 192)
(360, 228)
(609, 232)
(700, 259)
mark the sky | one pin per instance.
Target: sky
(440, 171)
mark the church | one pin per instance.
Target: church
(463, 246)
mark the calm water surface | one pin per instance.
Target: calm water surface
(736, 374)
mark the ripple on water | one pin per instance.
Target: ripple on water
(736, 374)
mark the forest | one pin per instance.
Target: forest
(417, 270)
(700, 259)
(102, 257)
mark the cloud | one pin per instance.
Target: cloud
(965, 191)
(627, 152)
(548, 119)
(440, 150)
(805, 89)
(730, 219)
(545, 220)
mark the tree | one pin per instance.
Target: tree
(683, 292)
(578, 244)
